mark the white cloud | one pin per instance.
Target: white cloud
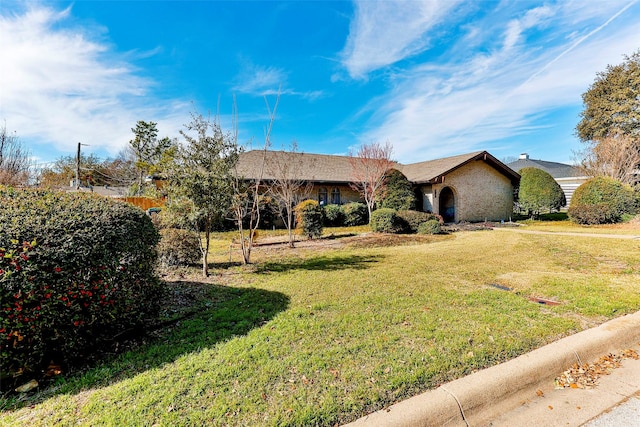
(384, 32)
(547, 57)
(61, 86)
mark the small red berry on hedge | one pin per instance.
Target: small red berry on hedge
(57, 269)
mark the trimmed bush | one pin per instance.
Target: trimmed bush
(178, 247)
(539, 191)
(333, 216)
(355, 214)
(432, 226)
(76, 270)
(309, 218)
(412, 219)
(385, 220)
(399, 194)
(601, 200)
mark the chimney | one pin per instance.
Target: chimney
(524, 156)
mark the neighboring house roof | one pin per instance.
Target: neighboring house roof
(556, 170)
(329, 168)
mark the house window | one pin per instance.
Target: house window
(322, 196)
(335, 196)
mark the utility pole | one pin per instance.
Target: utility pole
(78, 168)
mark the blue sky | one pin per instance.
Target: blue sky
(434, 78)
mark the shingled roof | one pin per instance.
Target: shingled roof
(556, 170)
(337, 169)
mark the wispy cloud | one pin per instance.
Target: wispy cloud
(72, 85)
(542, 59)
(384, 32)
(267, 81)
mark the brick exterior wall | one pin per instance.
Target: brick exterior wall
(480, 193)
(347, 194)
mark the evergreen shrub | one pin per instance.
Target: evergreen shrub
(75, 270)
(601, 200)
(385, 220)
(433, 226)
(399, 193)
(178, 247)
(412, 219)
(333, 216)
(355, 214)
(309, 218)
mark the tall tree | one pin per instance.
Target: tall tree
(286, 186)
(151, 154)
(15, 160)
(202, 177)
(369, 166)
(610, 124)
(248, 194)
(612, 102)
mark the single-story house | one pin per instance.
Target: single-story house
(568, 177)
(468, 187)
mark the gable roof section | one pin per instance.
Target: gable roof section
(337, 169)
(556, 170)
(432, 171)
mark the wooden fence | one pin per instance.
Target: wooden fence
(144, 202)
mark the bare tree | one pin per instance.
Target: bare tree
(616, 156)
(15, 161)
(286, 186)
(247, 197)
(368, 168)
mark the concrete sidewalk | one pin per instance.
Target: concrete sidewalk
(521, 392)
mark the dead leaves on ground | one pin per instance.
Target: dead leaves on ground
(586, 376)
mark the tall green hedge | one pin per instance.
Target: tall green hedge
(539, 192)
(399, 194)
(75, 270)
(601, 200)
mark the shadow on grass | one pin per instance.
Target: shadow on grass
(557, 216)
(351, 262)
(216, 314)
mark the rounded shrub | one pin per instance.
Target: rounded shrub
(355, 214)
(412, 219)
(539, 191)
(432, 226)
(333, 216)
(385, 220)
(75, 269)
(309, 218)
(601, 200)
(178, 247)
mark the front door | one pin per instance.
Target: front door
(447, 205)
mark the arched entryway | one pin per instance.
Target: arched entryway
(447, 205)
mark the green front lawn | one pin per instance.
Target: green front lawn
(318, 336)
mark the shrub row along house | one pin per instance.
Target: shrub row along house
(468, 187)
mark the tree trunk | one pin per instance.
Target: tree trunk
(205, 250)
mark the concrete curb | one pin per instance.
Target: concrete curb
(478, 398)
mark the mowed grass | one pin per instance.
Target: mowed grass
(323, 336)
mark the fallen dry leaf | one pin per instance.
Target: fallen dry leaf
(27, 387)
